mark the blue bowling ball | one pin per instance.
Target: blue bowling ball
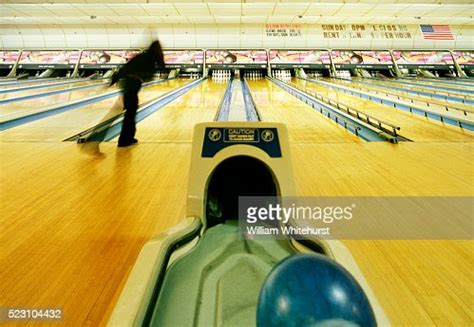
(312, 290)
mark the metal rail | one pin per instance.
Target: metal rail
(376, 122)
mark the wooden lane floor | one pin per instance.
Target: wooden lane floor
(175, 122)
(413, 126)
(436, 104)
(417, 282)
(21, 108)
(61, 126)
(305, 124)
(13, 95)
(73, 226)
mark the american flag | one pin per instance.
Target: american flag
(436, 32)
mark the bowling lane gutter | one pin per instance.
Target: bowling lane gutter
(57, 109)
(359, 128)
(43, 85)
(109, 129)
(417, 92)
(445, 118)
(250, 107)
(223, 110)
(40, 95)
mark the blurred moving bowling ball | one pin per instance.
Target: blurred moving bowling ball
(312, 290)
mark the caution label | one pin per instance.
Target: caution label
(241, 135)
(219, 138)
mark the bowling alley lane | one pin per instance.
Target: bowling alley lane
(13, 95)
(304, 123)
(413, 126)
(175, 122)
(435, 104)
(61, 126)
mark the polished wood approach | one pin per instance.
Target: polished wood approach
(72, 225)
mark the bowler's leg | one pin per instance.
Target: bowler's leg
(130, 102)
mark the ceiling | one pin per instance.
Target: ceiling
(149, 12)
